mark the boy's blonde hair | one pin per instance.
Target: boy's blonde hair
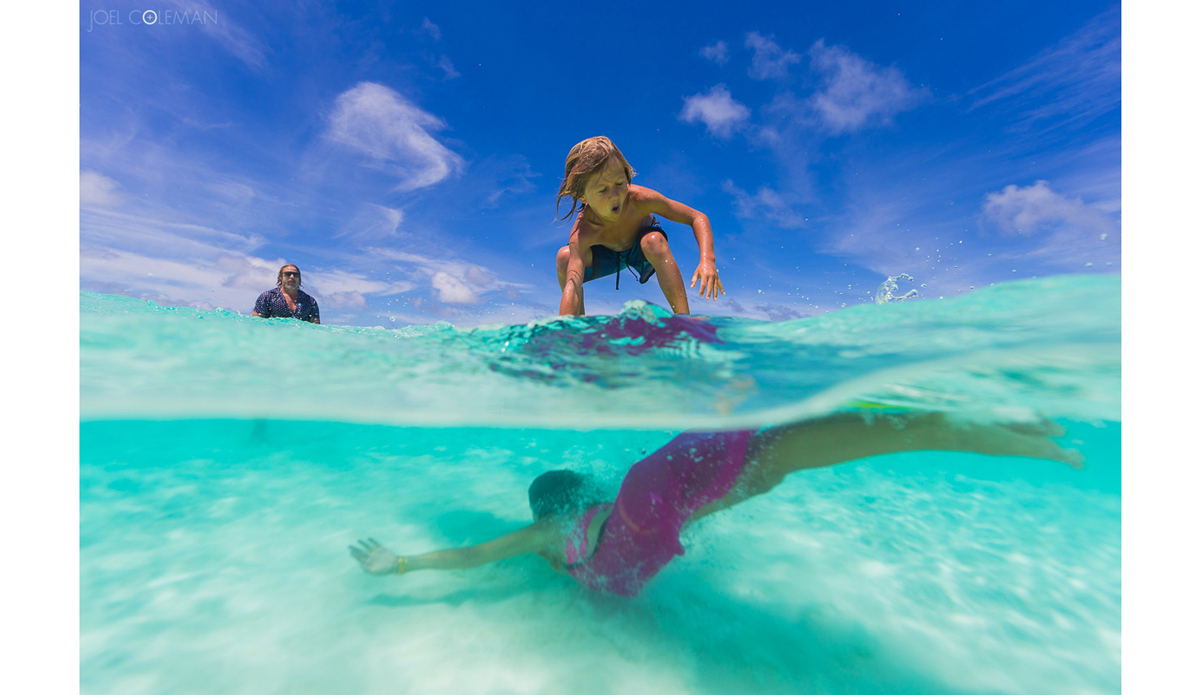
(584, 160)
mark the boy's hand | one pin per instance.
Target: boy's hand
(710, 282)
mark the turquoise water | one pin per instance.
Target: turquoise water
(226, 462)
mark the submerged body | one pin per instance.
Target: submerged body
(617, 547)
(638, 533)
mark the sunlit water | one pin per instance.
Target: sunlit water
(227, 462)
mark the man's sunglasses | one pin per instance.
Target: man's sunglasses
(288, 273)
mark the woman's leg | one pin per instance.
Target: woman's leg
(670, 280)
(774, 453)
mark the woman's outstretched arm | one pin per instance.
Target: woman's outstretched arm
(376, 559)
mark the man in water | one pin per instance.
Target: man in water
(287, 300)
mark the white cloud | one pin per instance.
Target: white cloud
(190, 265)
(380, 123)
(452, 281)
(1038, 208)
(327, 281)
(97, 190)
(716, 52)
(717, 110)
(452, 290)
(247, 272)
(172, 282)
(1045, 225)
(346, 300)
(766, 203)
(228, 280)
(854, 91)
(769, 60)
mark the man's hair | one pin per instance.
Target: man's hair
(557, 492)
(279, 278)
(584, 160)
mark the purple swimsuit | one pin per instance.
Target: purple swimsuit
(657, 497)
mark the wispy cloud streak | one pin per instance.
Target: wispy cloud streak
(1072, 82)
(225, 31)
(767, 203)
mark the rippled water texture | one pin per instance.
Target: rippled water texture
(226, 462)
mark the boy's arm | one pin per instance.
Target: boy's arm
(706, 271)
(377, 559)
(572, 296)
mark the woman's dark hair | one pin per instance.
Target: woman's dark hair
(562, 491)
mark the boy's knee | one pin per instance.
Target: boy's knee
(564, 255)
(654, 245)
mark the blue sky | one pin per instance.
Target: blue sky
(407, 155)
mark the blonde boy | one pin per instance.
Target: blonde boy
(615, 228)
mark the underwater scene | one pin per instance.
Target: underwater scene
(227, 462)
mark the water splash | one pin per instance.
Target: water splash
(887, 291)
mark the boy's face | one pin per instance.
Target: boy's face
(607, 191)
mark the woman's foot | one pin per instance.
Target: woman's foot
(1031, 439)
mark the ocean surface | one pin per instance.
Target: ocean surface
(227, 462)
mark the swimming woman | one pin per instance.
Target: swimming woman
(618, 546)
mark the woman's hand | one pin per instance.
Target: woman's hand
(377, 559)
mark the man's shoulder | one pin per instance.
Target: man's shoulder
(268, 293)
(305, 295)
